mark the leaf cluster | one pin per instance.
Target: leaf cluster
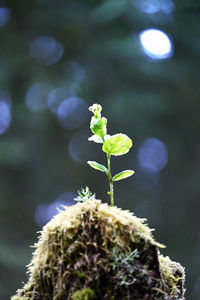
(84, 194)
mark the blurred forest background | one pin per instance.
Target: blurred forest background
(140, 60)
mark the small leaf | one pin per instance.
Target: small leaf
(97, 139)
(106, 137)
(123, 174)
(98, 126)
(96, 109)
(97, 166)
(117, 144)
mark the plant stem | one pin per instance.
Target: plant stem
(110, 182)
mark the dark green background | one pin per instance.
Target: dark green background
(140, 97)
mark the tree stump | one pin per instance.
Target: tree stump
(95, 251)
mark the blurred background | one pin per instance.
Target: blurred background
(140, 60)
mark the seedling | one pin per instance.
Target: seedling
(84, 195)
(117, 144)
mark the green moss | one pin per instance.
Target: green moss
(105, 249)
(84, 294)
(173, 275)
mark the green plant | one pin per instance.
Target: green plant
(84, 194)
(117, 144)
(124, 266)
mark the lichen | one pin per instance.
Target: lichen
(95, 246)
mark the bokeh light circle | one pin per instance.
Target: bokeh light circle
(154, 6)
(45, 212)
(4, 16)
(152, 155)
(74, 71)
(5, 116)
(57, 95)
(72, 112)
(156, 44)
(46, 50)
(36, 96)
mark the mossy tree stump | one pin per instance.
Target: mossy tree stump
(94, 251)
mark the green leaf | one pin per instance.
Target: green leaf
(97, 166)
(98, 126)
(123, 174)
(97, 139)
(117, 144)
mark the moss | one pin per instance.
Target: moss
(103, 248)
(84, 294)
(173, 275)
